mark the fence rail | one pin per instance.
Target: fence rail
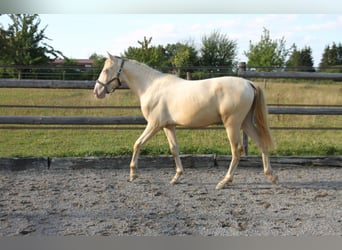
(139, 120)
(54, 84)
(50, 84)
(292, 75)
(73, 120)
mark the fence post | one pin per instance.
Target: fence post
(188, 75)
(20, 73)
(242, 67)
(245, 143)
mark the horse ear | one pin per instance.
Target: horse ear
(110, 56)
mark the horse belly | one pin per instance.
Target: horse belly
(194, 117)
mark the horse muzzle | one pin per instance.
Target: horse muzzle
(99, 92)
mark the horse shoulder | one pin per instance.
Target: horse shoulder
(153, 101)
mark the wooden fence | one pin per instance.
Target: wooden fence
(139, 120)
(291, 75)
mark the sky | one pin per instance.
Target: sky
(80, 35)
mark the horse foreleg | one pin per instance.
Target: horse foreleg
(149, 131)
(172, 139)
(237, 150)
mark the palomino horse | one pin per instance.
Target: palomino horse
(167, 101)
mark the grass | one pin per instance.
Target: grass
(91, 142)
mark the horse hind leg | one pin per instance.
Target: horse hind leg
(172, 139)
(237, 150)
(250, 129)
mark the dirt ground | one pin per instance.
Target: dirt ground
(62, 202)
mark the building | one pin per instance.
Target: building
(87, 63)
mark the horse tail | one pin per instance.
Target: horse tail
(260, 114)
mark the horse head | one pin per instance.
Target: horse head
(109, 78)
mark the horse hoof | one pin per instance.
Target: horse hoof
(274, 179)
(220, 185)
(132, 178)
(174, 180)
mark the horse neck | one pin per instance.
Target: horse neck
(139, 77)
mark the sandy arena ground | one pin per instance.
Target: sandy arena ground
(102, 202)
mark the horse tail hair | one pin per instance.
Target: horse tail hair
(260, 116)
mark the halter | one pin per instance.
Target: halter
(117, 78)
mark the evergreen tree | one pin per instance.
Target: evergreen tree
(332, 59)
(300, 60)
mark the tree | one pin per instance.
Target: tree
(300, 60)
(23, 43)
(218, 50)
(154, 56)
(181, 55)
(98, 62)
(3, 42)
(270, 53)
(332, 59)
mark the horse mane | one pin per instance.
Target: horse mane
(149, 70)
(143, 66)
